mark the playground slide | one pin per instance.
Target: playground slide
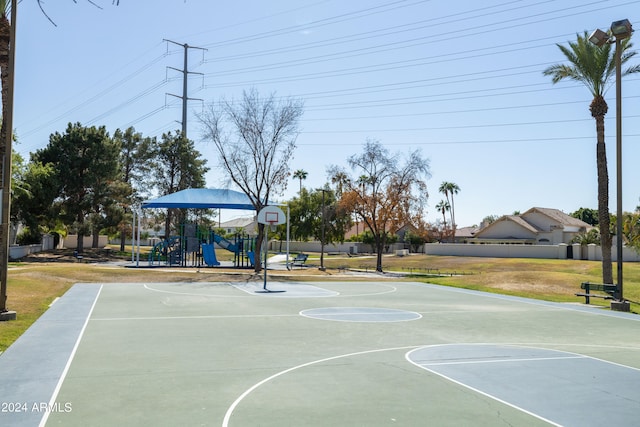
(209, 255)
(225, 244)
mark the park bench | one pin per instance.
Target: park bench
(588, 288)
(299, 260)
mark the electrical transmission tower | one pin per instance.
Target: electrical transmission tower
(185, 74)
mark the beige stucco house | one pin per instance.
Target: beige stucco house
(537, 226)
(247, 225)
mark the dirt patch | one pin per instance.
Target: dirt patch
(70, 255)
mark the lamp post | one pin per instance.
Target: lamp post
(619, 31)
(323, 233)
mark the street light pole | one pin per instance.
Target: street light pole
(620, 30)
(323, 233)
(619, 238)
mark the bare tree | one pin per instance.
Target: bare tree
(255, 138)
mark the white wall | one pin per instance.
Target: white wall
(314, 246)
(591, 252)
(496, 251)
(71, 241)
(17, 252)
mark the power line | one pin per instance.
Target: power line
(476, 126)
(428, 39)
(386, 7)
(554, 140)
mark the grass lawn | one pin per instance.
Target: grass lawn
(34, 285)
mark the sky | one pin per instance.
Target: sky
(460, 81)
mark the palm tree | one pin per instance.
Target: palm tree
(300, 174)
(450, 188)
(5, 146)
(595, 66)
(339, 179)
(5, 45)
(443, 206)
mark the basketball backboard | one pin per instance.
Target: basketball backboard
(271, 215)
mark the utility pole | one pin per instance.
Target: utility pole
(185, 74)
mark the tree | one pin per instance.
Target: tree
(443, 207)
(255, 139)
(136, 155)
(590, 216)
(590, 237)
(339, 179)
(5, 47)
(307, 217)
(33, 192)
(85, 161)
(391, 195)
(116, 2)
(594, 66)
(300, 175)
(631, 232)
(449, 189)
(177, 166)
(489, 219)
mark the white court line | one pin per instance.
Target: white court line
(336, 293)
(54, 396)
(149, 288)
(392, 290)
(360, 314)
(227, 415)
(530, 359)
(229, 316)
(540, 303)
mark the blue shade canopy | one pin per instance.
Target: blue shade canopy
(202, 198)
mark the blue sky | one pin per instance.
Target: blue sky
(461, 81)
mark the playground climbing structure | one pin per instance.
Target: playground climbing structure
(196, 246)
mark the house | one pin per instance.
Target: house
(246, 225)
(356, 229)
(537, 226)
(465, 234)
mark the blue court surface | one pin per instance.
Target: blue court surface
(369, 353)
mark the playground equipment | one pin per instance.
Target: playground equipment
(196, 245)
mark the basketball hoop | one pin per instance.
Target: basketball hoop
(271, 219)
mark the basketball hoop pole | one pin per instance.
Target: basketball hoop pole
(269, 216)
(265, 243)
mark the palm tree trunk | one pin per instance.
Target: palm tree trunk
(603, 201)
(453, 221)
(5, 149)
(5, 39)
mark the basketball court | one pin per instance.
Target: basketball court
(371, 353)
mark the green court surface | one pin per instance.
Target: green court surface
(373, 353)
